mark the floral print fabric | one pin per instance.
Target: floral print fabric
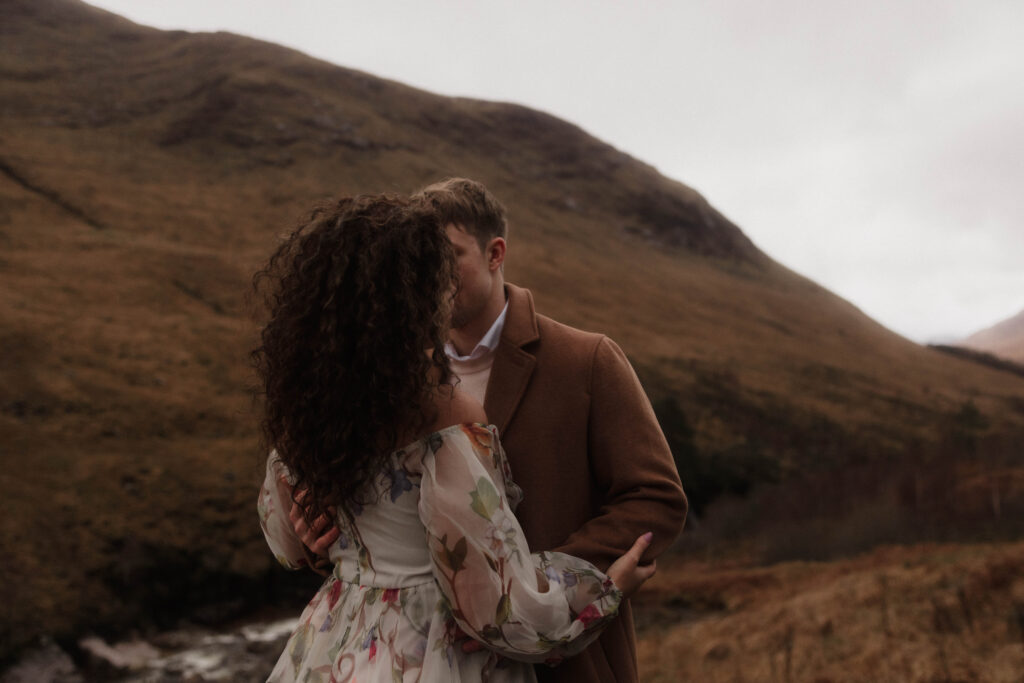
(439, 555)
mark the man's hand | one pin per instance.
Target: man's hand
(313, 537)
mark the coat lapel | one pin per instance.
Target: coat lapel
(513, 366)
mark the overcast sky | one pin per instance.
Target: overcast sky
(875, 147)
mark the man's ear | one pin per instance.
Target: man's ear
(496, 253)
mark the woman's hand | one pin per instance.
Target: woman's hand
(627, 573)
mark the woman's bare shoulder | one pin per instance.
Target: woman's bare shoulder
(455, 406)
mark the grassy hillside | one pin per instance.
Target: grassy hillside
(145, 174)
(926, 613)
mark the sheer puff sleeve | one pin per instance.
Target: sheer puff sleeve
(273, 505)
(538, 607)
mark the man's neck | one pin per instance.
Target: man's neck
(469, 335)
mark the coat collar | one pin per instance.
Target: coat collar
(513, 366)
(521, 321)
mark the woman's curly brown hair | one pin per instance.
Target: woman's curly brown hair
(357, 295)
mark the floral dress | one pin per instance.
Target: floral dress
(439, 555)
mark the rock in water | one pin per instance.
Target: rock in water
(119, 658)
(45, 663)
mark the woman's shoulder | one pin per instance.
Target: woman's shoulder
(454, 406)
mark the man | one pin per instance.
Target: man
(580, 434)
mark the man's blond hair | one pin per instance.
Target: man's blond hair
(469, 205)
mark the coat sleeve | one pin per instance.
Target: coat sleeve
(273, 505)
(631, 465)
(538, 607)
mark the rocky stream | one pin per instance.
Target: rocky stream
(187, 655)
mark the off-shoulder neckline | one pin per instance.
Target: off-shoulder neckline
(443, 430)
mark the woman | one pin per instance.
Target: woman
(364, 418)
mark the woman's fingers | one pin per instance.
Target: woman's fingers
(646, 571)
(626, 572)
(640, 546)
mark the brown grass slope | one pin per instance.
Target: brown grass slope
(145, 174)
(1004, 339)
(915, 615)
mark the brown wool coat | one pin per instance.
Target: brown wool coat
(585, 446)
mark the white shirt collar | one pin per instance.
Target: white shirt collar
(485, 345)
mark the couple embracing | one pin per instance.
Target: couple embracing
(496, 483)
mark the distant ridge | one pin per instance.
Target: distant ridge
(1005, 339)
(982, 357)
